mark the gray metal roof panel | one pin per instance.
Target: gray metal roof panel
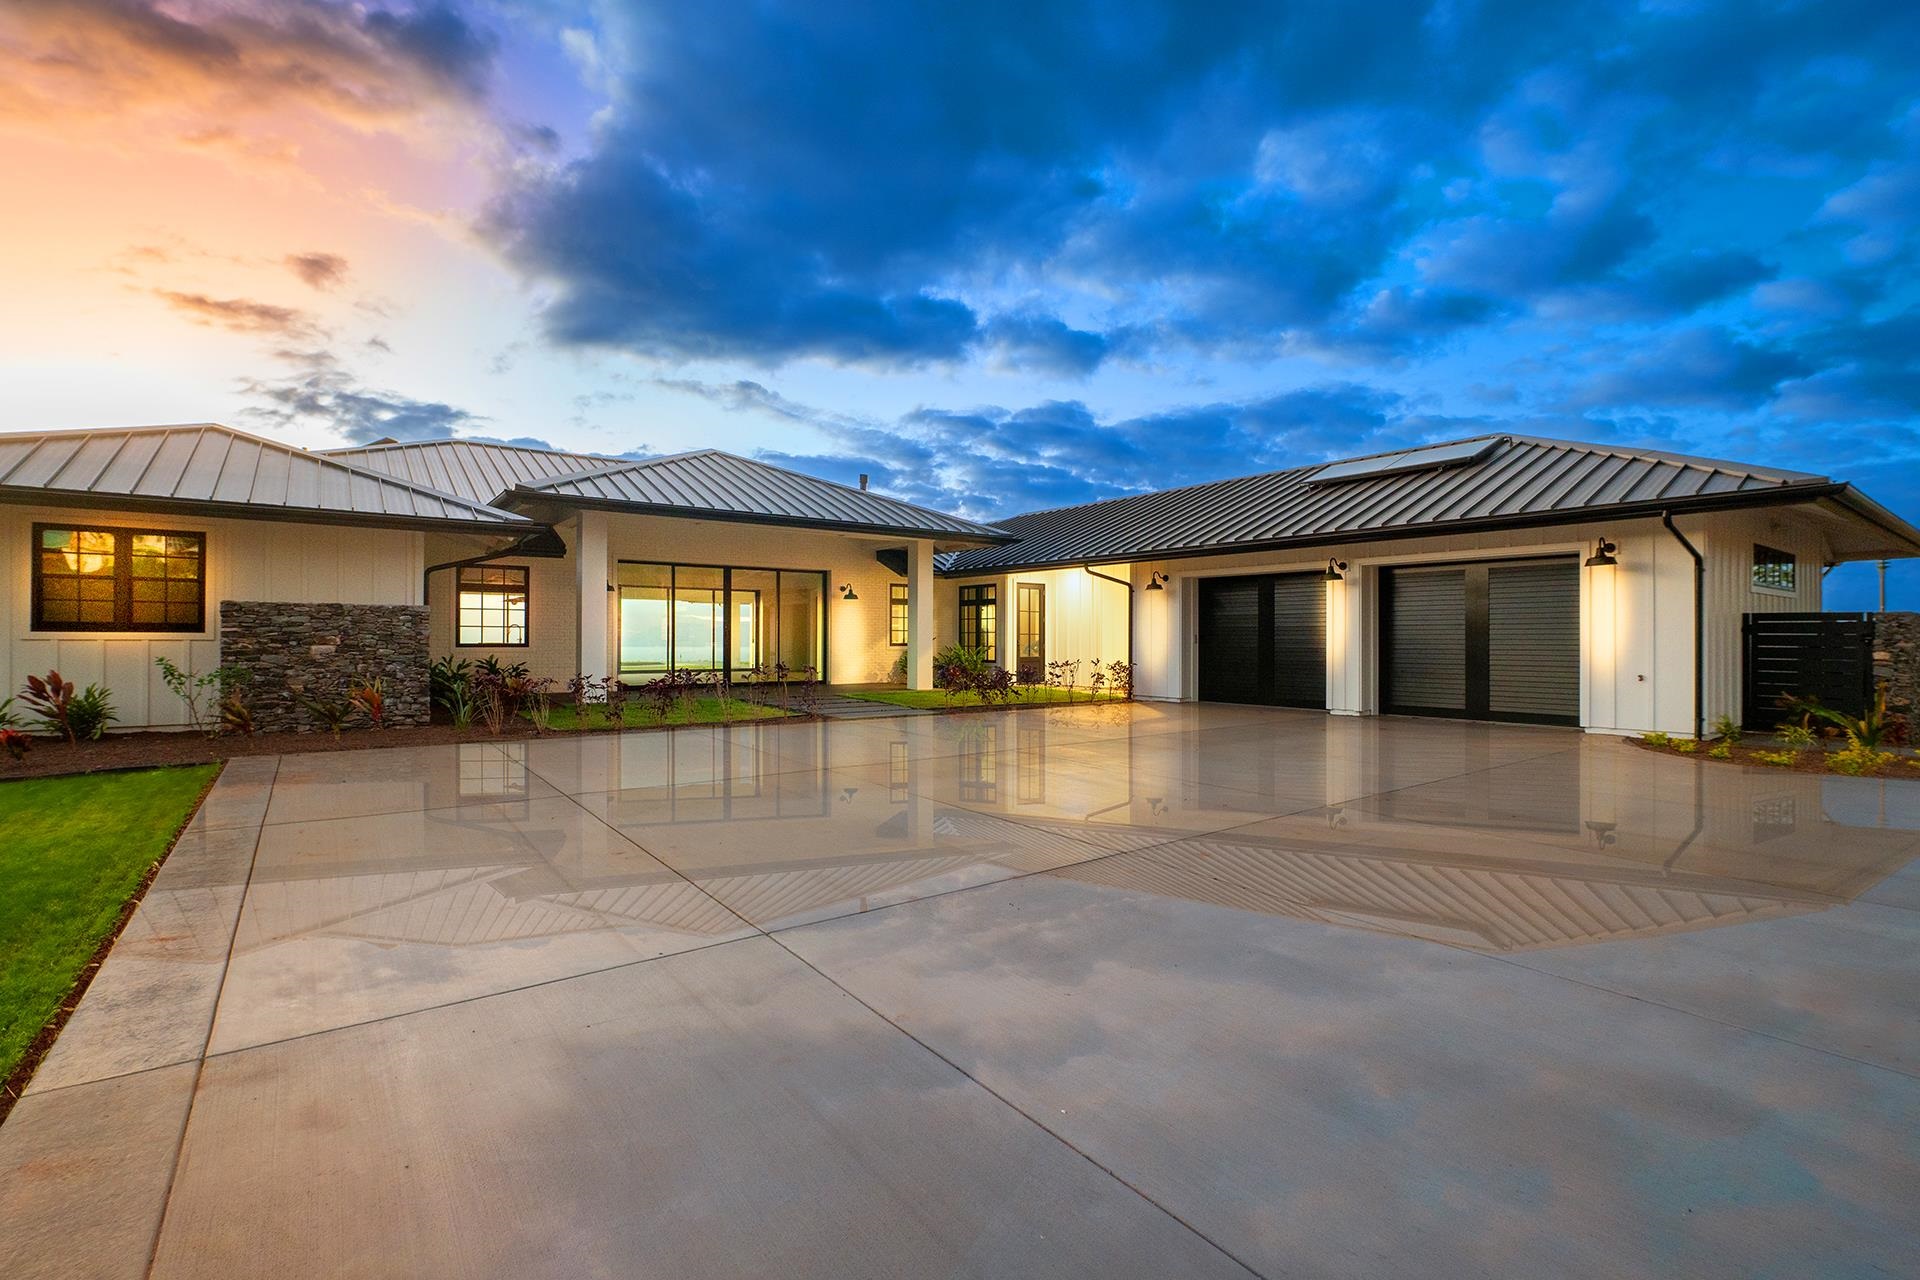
(477, 470)
(1519, 478)
(713, 484)
(212, 466)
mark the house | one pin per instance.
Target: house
(1501, 577)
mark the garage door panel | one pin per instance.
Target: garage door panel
(1533, 639)
(1264, 640)
(1230, 640)
(1497, 640)
(1300, 640)
(1427, 626)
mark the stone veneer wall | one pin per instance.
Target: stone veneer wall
(278, 645)
(1896, 658)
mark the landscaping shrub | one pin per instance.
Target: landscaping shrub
(89, 712)
(326, 702)
(1857, 760)
(1779, 759)
(968, 662)
(1657, 739)
(49, 700)
(235, 715)
(369, 698)
(203, 694)
(1064, 674)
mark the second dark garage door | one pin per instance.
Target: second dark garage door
(1496, 641)
(1264, 640)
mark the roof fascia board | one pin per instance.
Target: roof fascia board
(245, 511)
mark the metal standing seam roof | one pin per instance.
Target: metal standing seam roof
(475, 469)
(216, 469)
(1520, 480)
(711, 484)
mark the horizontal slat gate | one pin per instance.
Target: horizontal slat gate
(1828, 656)
(1533, 639)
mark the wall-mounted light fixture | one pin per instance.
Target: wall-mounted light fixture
(1336, 570)
(846, 591)
(1602, 556)
(1158, 581)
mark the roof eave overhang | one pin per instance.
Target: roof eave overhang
(1904, 537)
(1784, 495)
(246, 511)
(521, 494)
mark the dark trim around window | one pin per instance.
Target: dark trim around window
(524, 590)
(899, 614)
(980, 619)
(123, 581)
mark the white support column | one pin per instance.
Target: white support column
(920, 615)
(590, 570)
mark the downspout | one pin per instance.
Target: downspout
(1129, 586)
(1699, 626)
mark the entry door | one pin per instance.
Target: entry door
(1264, 640)
(1030, 625)
(1496, 641)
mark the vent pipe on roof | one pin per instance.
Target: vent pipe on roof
(863, 482)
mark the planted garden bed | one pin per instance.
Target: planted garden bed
(1768, 752)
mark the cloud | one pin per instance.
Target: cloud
(242, 315)
(318, 270)
(321, 392)
(368, 65)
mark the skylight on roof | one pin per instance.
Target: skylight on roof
(1431, 458)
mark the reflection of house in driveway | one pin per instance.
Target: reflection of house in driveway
(1486, 908)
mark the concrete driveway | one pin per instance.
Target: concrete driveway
(1119, 991)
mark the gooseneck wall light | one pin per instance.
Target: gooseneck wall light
(846, 591)
(1158, 582)
(1602, 557)
(1336, 570)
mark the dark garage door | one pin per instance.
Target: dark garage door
(1264, 640)
(1498, 641)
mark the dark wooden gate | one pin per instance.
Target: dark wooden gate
(1828, 656)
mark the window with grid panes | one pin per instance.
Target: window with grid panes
(492, 607)
(118, 579)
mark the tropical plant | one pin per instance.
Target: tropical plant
(89, 712)
(533, 695)
(580, 689)
(326, 702)
(897, 673)
(49, 699)
(1685, 746)
(1857, 760)
(1096, 680)
(200, 694)
(1721, 750)
(1727, 729)
(8, 720)
(368, 694)
(446, 678)
(1867, 732)
(14, 742)
(1797, 736)
(235, 715)
(969, 661)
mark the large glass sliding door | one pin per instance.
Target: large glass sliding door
(720, 618)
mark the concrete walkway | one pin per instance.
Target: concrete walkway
(1096, 991)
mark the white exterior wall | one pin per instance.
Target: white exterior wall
(1086, 617)
(857, 638)
(1636, 618)
(246, 560)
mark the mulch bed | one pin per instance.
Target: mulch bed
(147, 750)
(1807, 760)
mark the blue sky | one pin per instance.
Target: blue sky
(1000, 256)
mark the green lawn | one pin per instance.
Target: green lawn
(74, 850)
(640, 714)
(1025, 695)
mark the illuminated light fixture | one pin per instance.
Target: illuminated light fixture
(1336, 570)
(1602, 557)
(1158, 581)
(846, 591)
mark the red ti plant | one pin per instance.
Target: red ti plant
(51, 699)
(370, 696)
(15, 743)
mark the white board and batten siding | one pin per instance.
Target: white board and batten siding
(246, 560)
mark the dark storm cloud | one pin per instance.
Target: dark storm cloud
(1048, 188)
